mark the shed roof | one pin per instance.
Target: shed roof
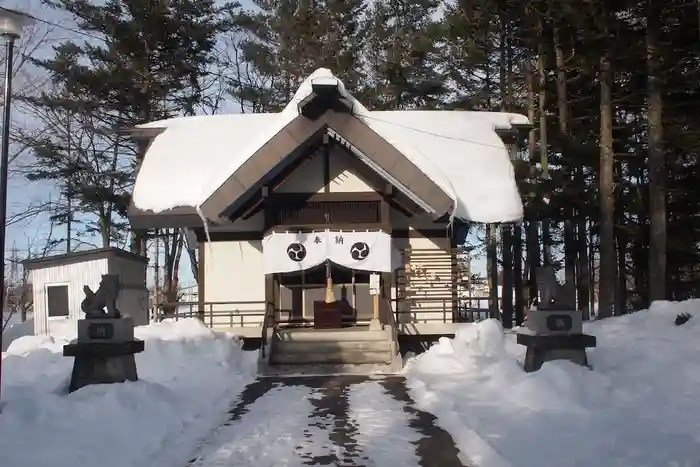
(81, 256)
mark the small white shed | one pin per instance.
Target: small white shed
(57, 285)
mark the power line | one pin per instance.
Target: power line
(51, 23)
(437, 135)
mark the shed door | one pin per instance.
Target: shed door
(57, 300)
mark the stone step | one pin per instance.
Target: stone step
(379, 369)
(294, 346)
(331, 335)
(335, 357)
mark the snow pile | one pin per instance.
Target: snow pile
(459, 151)
(638, 407)
(188, 374)
(15, 328)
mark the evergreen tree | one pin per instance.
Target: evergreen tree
(149, 64)
(402, 57)
(282, 42)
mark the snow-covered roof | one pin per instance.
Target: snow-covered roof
(458, 150)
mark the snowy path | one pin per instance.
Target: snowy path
(330, 420)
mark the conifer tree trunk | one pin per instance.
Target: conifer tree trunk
(657, 157)
(532, 230)
(570, 247)
(492, 268)
(506, 229)
(621, 238)
(606, 281)
(518, 274)
(544, 144)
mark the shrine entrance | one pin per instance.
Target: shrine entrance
(303, 292)
(328, 277)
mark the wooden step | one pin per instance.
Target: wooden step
(331, 335)
(294, 346)
(335, 357)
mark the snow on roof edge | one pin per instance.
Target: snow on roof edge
(267, 124)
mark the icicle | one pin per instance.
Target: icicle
(207, 235)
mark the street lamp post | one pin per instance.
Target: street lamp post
(11, 24)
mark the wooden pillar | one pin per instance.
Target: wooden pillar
(386, 278)
(330, 298)
(385, 304)
(270, 300)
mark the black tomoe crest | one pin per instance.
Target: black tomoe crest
(296, 252)
(359, 251)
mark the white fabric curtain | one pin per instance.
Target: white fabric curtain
(363, 250)
(293, 251)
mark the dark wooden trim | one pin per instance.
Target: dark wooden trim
(80, 256)
(140, 133)
(326, 164)
(201, 277)
(338, 197)
(512, 134)
(386, 278)
(219, 236)
(390, 160)
(270, 283)
(264, 166)
(417, 233)
(179, 217)
(227, 236)
(385, 207)
(316, 227)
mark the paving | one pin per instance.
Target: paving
(331, 413)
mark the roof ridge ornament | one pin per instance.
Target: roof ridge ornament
(327, 93)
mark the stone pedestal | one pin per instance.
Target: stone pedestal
(104, 352)
(543, 348)
(554, 321)
(106, 330)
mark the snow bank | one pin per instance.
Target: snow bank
(16, 328)
(638, 407)
(188, 377)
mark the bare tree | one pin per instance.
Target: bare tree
(19, 295)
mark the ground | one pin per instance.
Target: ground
(344, 420)
(465, 399)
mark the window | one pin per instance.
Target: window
(57, 301)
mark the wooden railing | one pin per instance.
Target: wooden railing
(260, 313)
(219, 314)
(438, 309)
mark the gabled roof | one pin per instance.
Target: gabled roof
(263, 166)
(452, 161)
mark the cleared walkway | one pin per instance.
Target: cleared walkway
(328, 420)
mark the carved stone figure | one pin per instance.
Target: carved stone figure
(106, 296)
